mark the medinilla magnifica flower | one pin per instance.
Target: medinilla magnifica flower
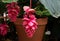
(13, 10)
(29, 22)
(3, 29)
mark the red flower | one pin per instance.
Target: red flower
(29, 23)
(13, 10)
(3, 29)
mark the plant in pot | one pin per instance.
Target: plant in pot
(41, 20)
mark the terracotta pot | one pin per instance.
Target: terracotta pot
(38, 36)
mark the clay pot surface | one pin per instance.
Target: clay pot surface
(38, 35)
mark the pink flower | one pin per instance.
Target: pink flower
(25, 23)
(13, 10)
(31, 11)
(3, 29)
(26, 8)
(29, 23)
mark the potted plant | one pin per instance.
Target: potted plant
(41, 14)
(41, 20)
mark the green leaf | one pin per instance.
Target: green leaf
(9, 1)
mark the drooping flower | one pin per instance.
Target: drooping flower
(29, 23)
(3, 29)
(13, 10)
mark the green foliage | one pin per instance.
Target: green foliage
(41, 11)
(9, 1)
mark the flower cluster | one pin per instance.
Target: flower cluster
(29, 19)
(13, 10)
(3, 29)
